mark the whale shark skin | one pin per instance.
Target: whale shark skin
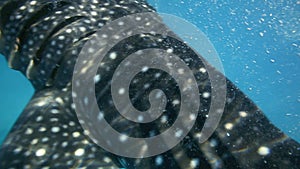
(42, 39)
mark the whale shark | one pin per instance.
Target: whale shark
(43, 39)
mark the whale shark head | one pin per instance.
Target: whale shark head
(44, 39)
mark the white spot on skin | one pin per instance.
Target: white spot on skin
(34, 141)
(169, 50)
(30, 10)
(228, 126)
(23, 7)
(178, 133)
(243, 114)
(94, 13)
(194, 163)
(54, 111)
(18, 150)
(28, 131)
(40, 152)
(157, 75)
(100, 116)
(71, 123)
(263, 151)
(206, 95)
(145, 69)
(41, 103)
(90, 50)
(180, 71)
(113, 55)
(82, 29)
(75, 134)
(61, 37)
(59, 100)
(53, 43)
(198, 135)
(121, 91)
(146, 86)
(164, 119)
(55, 129)
(102, 9)
(64, 144)
(158, 160)
(33, 2)
(202, 70)
(116, 36)
(213, 143)
(69, 30)
(79, 152)
(97, 78)
(42, 129)
(86, 100)
(175, 102)
(192, 117)
(106, 159)
(120, 23)
(123, 138)
(55, 156)
(140, 118)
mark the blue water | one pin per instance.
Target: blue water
(258, 43)
(15, 91)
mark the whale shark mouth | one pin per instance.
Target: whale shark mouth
(43, 39)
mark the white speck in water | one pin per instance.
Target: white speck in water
(261, 34)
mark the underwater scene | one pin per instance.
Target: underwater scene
(149, 84)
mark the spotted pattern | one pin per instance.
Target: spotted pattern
(43, 38)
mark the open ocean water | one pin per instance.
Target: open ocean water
(258, 43)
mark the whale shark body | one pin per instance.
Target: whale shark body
(42, 39)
